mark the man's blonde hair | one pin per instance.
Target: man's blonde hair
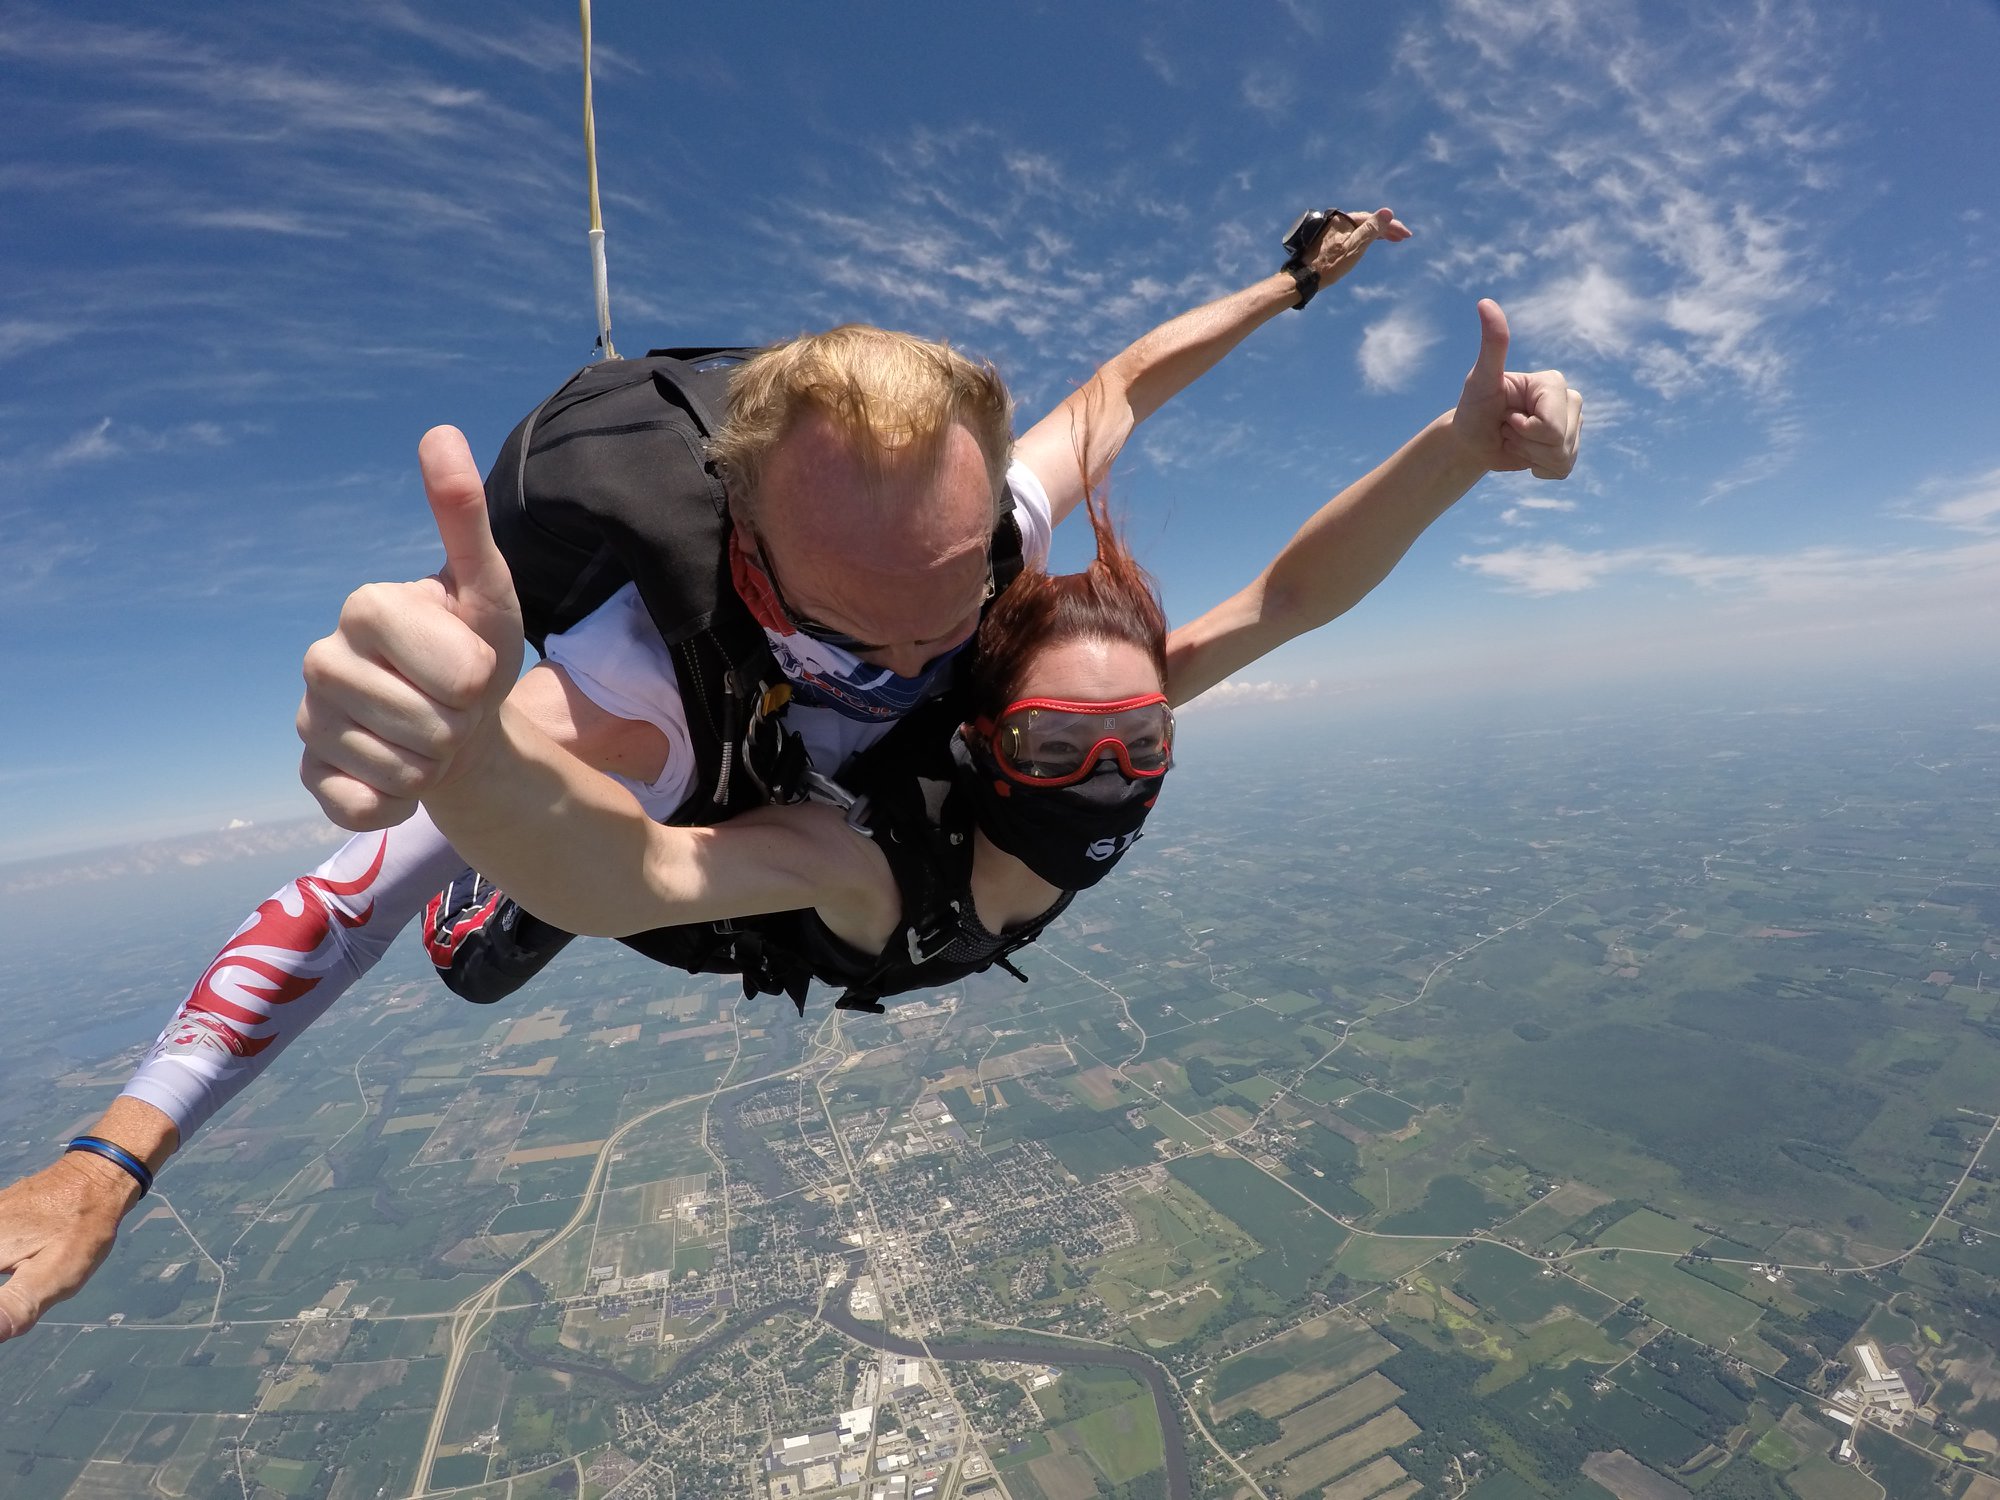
(891, 395)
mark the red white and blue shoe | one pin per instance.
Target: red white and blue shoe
(482, 944)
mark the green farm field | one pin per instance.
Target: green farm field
(1301, 1241)
(1520, 1290)
(1683, 1302)
(1297, 1368)
(1123, 1440)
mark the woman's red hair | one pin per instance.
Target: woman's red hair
(1113, 599)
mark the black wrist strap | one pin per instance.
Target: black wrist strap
(113, 1152)
(1306, 279)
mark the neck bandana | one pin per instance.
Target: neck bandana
(824, 676)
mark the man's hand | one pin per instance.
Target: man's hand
(56, 1227)
(1340, 249)
(1506, 420)
(414, 670)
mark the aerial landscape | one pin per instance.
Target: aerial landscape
(1574, 1100)
(1545, 1045)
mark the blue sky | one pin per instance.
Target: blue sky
(249, 254)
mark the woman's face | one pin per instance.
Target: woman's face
(1091, 670)
(1071, 830)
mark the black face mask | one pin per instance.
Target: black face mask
(1070, 836)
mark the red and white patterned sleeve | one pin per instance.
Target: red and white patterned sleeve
(298, 953)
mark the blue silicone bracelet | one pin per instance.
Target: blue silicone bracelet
(97, 1146)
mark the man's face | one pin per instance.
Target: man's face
(898, 559)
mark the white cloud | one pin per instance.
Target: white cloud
(1972, 505)
(20, 335)
(1154, 56)
(545, 46)
(98, 443)
(1670, 165)
(1393, 348)
(88, 446)
(1520, 513)
(934, 240)
(31, 570)
(1784, 436)
(261, 221)
(1591, 308)
(1547, 568)
(1307, 19)
(1268, 92)
(1179, 440)
(1812, 575)
(1227, 693)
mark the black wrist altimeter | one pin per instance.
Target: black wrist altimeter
(1301, 241)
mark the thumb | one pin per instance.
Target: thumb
(22, 1302)
(475, 574)
(1492, 361)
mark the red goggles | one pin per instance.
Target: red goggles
(1049, 742)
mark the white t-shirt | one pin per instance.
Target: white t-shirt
(616, 658)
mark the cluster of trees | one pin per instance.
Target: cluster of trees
(1180, 1357)
(1744, 1479)
(1808, 1342)
(1208, 1078)
(1151, 1485)
(1697, 1377)
(1245, 1431)
(1438, 1396)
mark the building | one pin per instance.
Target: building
(1880, 1385)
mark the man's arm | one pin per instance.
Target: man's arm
(578, 850)
(1138, 381)
(567, 843)
(1504, 421)
(547, 698)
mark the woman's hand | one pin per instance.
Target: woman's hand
(1507, 420)
(1347, 239)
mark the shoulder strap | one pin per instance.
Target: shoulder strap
(609, 480)
(1006, 549)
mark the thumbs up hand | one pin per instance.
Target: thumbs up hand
(1508, 420)
(414, 671)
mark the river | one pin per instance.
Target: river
(1060, 1356)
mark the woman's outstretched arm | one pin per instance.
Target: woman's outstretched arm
(1503, 421)
(1074, 444)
